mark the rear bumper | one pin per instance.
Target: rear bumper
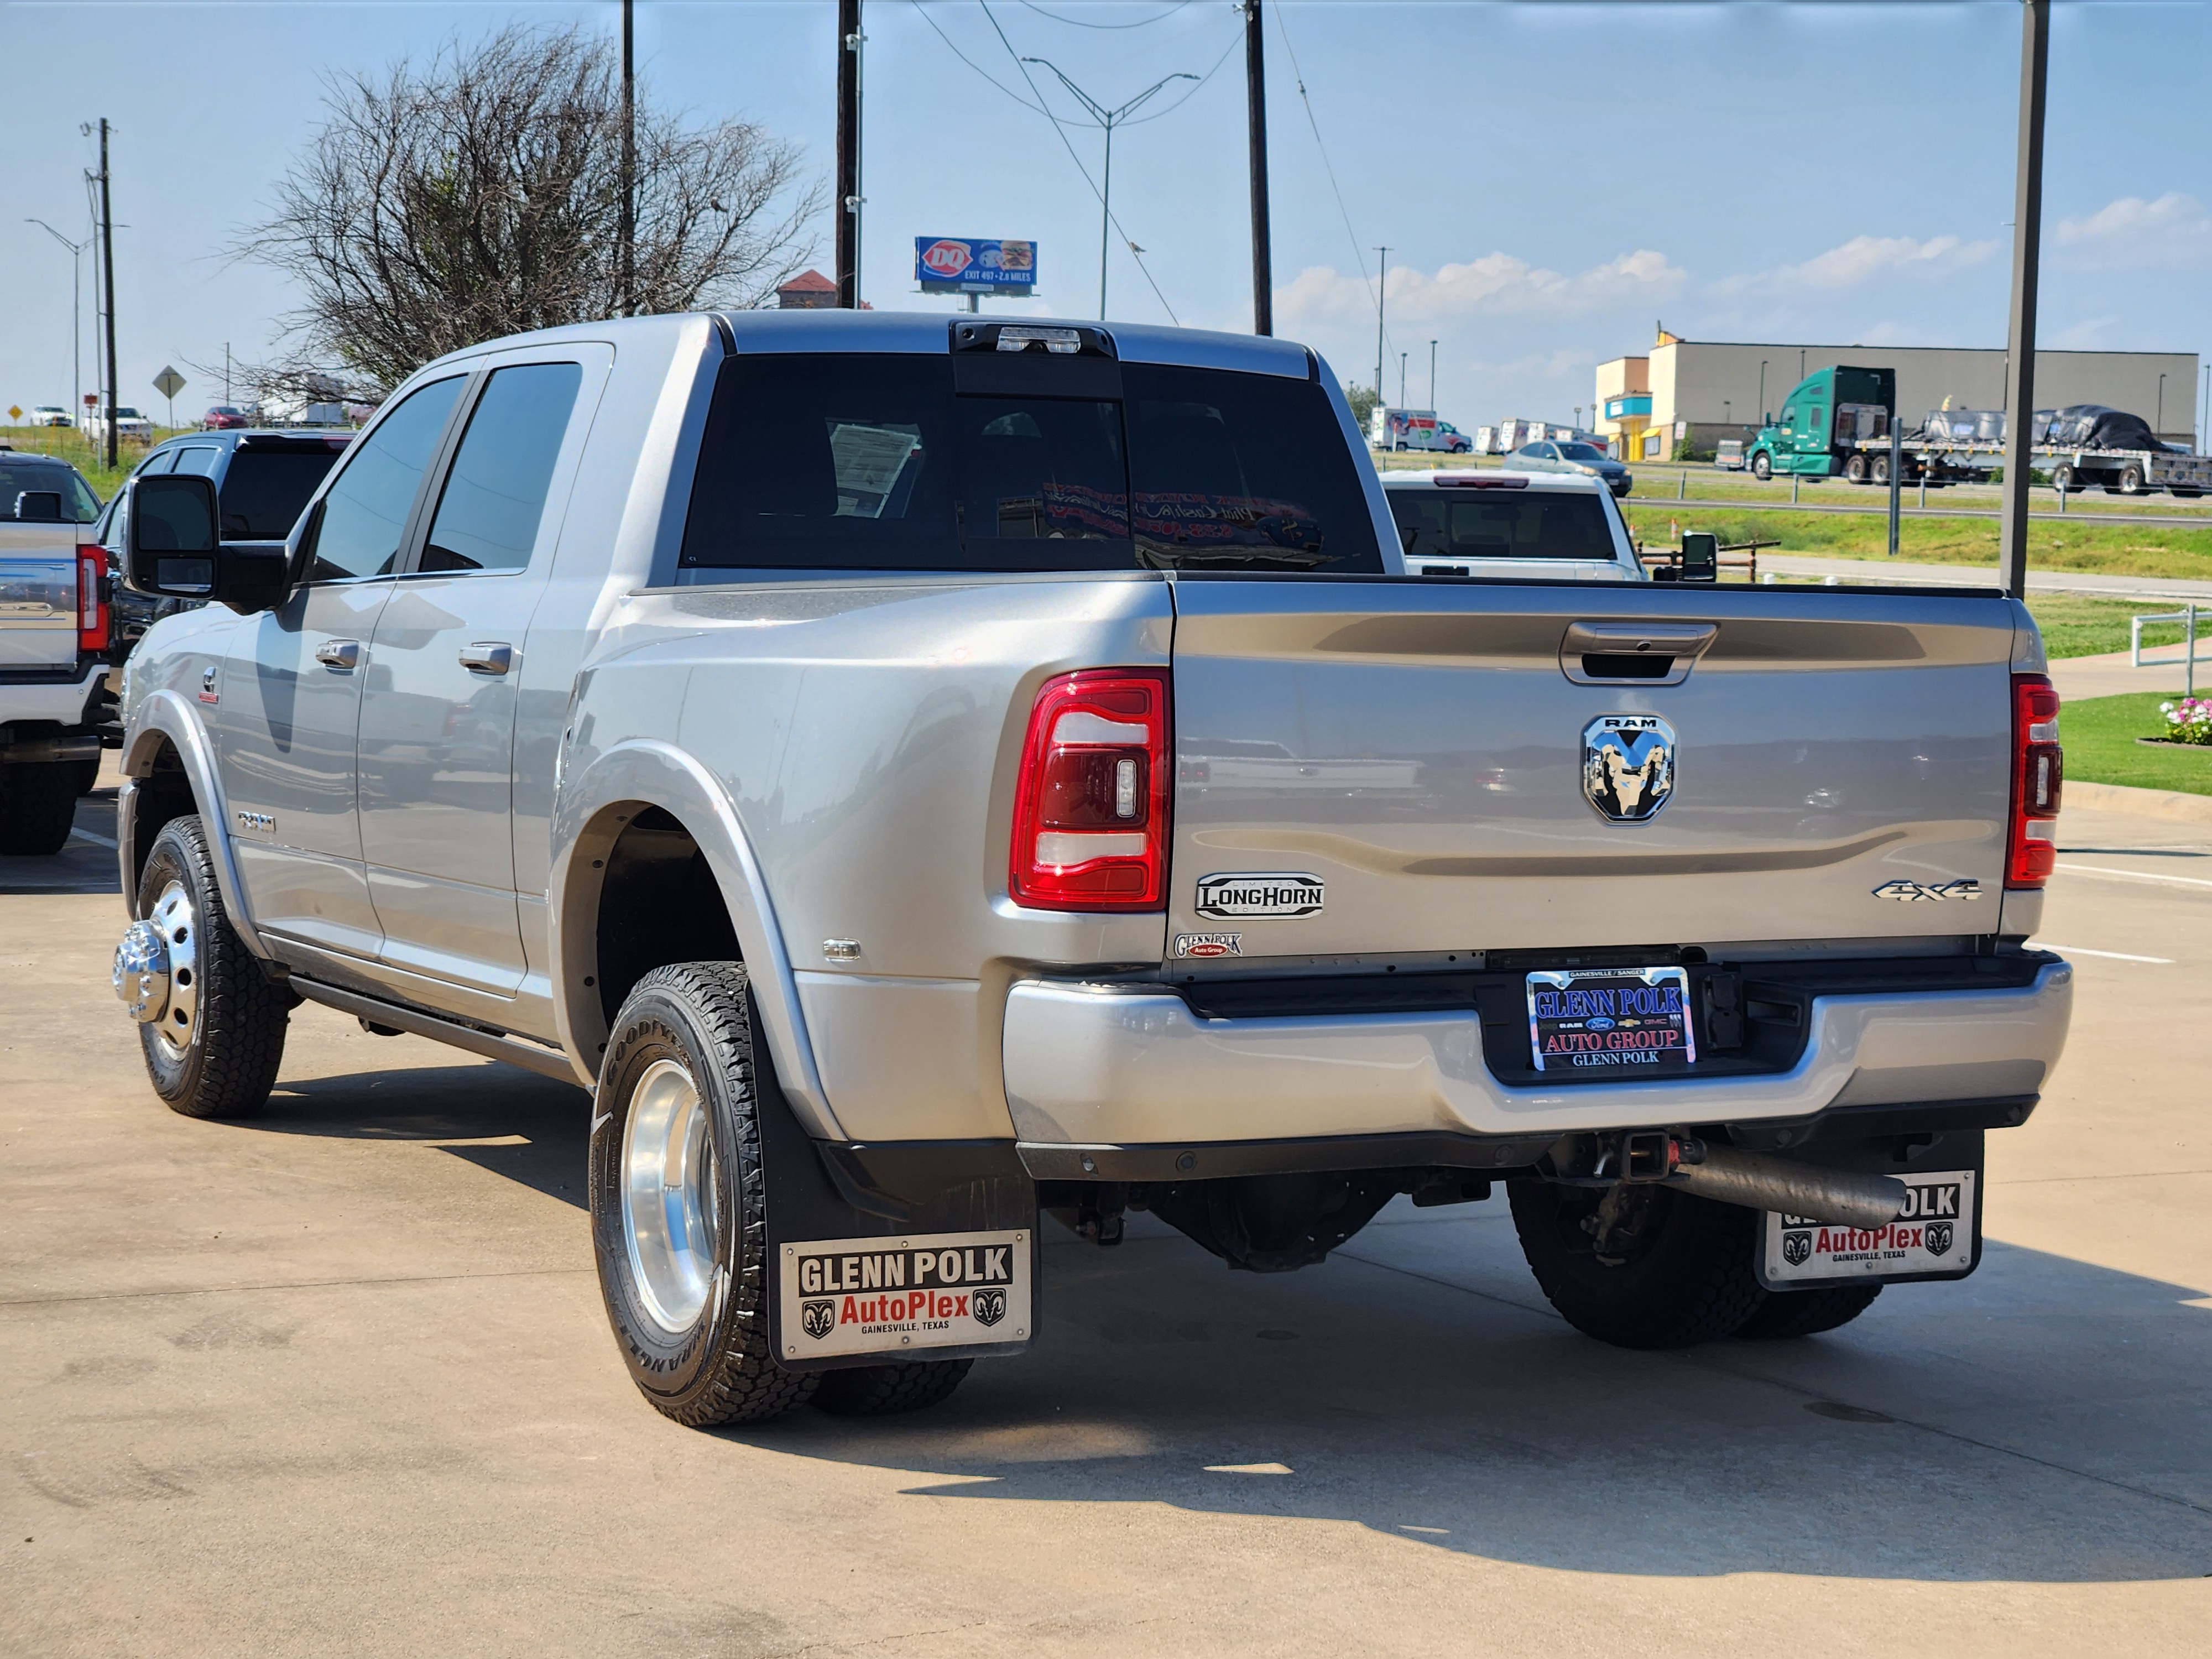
(63, 696)
(1092, 1070)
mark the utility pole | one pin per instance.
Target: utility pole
(626, 253)
(1432, 376)
(1256, 114)
(1382, 291)
(1402, 378)
(108, 262)
(76, 314)
(1108, 119)
(2026, 255)
(849, 39)
(226, 372)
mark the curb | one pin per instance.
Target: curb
(2171, 804)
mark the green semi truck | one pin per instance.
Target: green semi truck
(1836, 423)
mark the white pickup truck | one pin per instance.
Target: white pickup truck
(924, 775)
(54, 649)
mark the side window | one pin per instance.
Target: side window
(495, 495)
(161, 461)
(1790, 418)
(198, 459)
(365, 514)
(1816, 425)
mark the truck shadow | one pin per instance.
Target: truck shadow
(511, 1123)
(84, 864)
(1965, 1432)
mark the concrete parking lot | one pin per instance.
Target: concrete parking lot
(338, 1380)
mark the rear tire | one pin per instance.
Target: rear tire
(1788, 1314)
(2131, 480)
(1855, 469)
(221, 1058)
(38, 806)
(1678, 1270)
(887, 1390)
(2065, 478)
(679, 1222)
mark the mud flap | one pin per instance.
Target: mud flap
(939, 1265)
(1938, 1236)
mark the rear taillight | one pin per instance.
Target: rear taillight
(2037, 768)
(1091, 811)
(92, 599)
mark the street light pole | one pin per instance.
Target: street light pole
(1432, 376)
(2158, 421)
(1762, 391)
(107, 259)
(1402, 378)
(2026, 256)
(1108, 119)
(1381, 293)
(76, 314)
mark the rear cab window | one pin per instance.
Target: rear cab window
(1499, 524)
(21, 474)
(1020, 463)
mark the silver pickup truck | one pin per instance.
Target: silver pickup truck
(55, 649)
(921, 774)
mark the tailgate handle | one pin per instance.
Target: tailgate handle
(1632, 653)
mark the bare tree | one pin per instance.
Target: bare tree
(482, 195)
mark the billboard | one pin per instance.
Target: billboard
(975, 264)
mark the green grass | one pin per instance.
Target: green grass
(2100, 734)
(2074, 626)
(85, 456)
(2184, 550)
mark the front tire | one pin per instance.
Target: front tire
(38, 806)
(1673, 1271)
(679, 1220)
(1761, 468)
(216, 1046)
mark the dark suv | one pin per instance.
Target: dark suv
(262, 481)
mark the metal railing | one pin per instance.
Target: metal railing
(2187, 618)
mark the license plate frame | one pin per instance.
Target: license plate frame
(1601, 1021)
(1945, 1202)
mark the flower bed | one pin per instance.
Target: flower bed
(2188, 719)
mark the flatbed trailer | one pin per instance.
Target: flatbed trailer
(1836, 423)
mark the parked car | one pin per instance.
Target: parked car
(49, 414)
(54, 650)
(262, 481)
(1546, 455)
(801, 729)
(129, 424)
(224, 419)
(1511, 525)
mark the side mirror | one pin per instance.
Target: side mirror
(1701, 557)
(38, 506)
(174, 550)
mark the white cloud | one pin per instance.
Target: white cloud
(2172, 230)
(1498, 285)
(1862, 260)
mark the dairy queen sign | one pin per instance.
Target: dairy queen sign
(958, 265)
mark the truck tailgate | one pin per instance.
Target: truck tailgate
(38, 596)
(1419, 751)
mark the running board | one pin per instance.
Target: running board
(531, 1056)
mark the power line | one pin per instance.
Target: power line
(1077, 22)
(1352, 236)
(1058, 127)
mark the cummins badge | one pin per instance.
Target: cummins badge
(1628, 766)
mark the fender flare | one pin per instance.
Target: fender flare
(166, 714)
(649, 772)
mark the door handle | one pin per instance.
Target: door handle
(487, 656)
(344, 656)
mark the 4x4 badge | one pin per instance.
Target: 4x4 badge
(1914, 892)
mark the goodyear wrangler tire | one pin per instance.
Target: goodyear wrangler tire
(678, 1216)
(216, 1047)
(1675, 1270)
(1787, 1313)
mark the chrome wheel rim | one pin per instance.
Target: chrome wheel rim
(669, 1203)
(172, 918)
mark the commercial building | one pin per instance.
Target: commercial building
(1704, 391)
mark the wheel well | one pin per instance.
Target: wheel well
(659, 903)
(164, 793)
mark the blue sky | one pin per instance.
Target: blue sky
(1552, 179)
